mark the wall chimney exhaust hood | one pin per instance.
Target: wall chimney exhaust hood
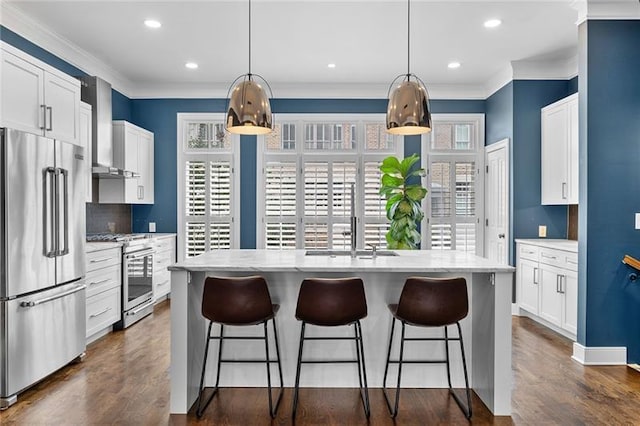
(97, 92)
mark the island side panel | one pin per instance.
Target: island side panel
(492, 341)
(179, 403)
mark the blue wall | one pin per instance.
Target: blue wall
(499, 115)
(159, 116)
(609, 304)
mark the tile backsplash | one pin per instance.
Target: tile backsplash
(114, 218)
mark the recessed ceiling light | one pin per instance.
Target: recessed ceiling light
(191, 65)
(454, 65)
(151, 23)
(492, 23)
(331, 65)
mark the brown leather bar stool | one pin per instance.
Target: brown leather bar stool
(332, 302)
(239, 301)
(430, 302)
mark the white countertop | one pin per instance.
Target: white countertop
(295, 260)
(567, 245)
(100, 245)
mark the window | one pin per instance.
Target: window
(206, 199)
(306, 194)
(454, 210)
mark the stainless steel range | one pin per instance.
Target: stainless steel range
(137, 275)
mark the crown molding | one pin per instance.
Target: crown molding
(302, 91)
(18, 22)
(498, 81)
(563, 69)
(606, 10)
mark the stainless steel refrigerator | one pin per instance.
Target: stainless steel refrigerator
(42, 261)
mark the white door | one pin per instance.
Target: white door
(497, 202)
(550, 296)
(528, 279)
(569, 290)
(62, 99)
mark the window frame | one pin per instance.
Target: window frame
(183, 155)
(302, 154)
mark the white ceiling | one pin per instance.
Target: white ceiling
(293, 41)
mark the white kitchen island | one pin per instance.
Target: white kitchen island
(486, 330)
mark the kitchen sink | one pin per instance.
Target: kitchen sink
(333, 253)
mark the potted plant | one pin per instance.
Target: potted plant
(403, 206)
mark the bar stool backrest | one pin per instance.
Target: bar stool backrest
(433, 302)
(331, 301)
(236, 300)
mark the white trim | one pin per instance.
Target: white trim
(15, 20)
(515, 310)
(599, 355)
(498, 80)
(559, 69)
(181, 118)
(607, 10)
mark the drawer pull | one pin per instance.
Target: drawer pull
(572, 262)
(549, 257)
(100, 313)
(163, 283)
(102, 259)
(99, 282)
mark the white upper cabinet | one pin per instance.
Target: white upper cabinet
(38, 98)
(133, 152)
(559, 152)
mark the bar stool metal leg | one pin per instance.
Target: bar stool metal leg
(394, 411)
(364, 393)
(275, 335)
(297, 384)
(272, 410)
(200, 409)
(466, 410)
(446, 349)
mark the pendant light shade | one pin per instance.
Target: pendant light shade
(249, 110)
(408, 110)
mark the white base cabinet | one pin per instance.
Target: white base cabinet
(38, 98)
(547, 285)
(104, 291)
(165, 255)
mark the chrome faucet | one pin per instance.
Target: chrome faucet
(354, 222)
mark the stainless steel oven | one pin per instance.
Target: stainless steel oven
(137, 282)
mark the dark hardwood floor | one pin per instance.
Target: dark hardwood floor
(124, 380)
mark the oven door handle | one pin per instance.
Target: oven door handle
(140, 308)
(139, 254)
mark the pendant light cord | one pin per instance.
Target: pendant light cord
(408, 38)
(249, 39)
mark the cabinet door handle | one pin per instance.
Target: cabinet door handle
(44, 117)
(535, 275)
(50, 118)
(564, 190)
(99, 313)
(562, 278)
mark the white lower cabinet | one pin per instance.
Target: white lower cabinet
(165, 255)
(104, 291)
(547, 286)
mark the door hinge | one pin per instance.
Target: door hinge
(486, 222)
(487, 169)
(492, 278)
(188, 277)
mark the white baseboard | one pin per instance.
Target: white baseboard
(599, 355)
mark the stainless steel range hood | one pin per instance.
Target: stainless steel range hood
(97, 92)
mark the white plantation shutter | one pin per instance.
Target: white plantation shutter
(206, 196)
(280, 204)
(308, 168)
(452, 197)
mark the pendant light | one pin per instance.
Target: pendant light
(408, 111)
(249, 110)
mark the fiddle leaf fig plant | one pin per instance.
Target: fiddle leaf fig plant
(403, 201)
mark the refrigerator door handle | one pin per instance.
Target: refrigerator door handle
(65, 207)
(32, 303)
(49, 212)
